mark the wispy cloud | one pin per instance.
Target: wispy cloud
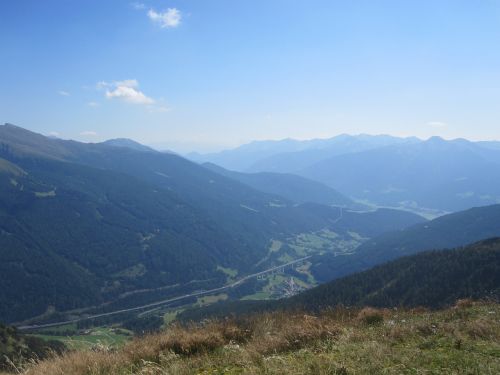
(159, 109)
(63, 93)
(437, 124)
(138, 6)
(126, 91)
(88, 133)
(170, 18)
(93, 104)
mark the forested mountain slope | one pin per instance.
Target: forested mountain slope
(448, 231)
(432, 279)
(82, 224)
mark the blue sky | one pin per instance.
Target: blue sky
(207, 74)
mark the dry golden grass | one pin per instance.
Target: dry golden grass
(371, 316)
(460, 340)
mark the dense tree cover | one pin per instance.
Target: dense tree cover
(449, 231)
(431, 279)
(295, 188)
(82, 224)
(16, 348)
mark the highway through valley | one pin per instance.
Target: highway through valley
(163, 302)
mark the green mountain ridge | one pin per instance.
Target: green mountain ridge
(85, 224)
(449, 231)
(433, 279)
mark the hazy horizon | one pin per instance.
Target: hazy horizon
(185, 149)
(212, 75)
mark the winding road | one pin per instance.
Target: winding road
(163, 302)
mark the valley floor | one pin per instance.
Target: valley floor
(464, 339)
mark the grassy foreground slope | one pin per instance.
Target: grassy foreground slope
(16, 348)
(464, 339)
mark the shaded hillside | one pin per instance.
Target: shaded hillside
(438, 174)
(449, 231)
(295, 188)
(433, 279)
(82, 224)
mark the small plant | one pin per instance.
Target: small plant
(370, 316)
(465, 303)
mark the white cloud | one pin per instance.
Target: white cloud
(437, 124)
(93, 104)
(170, 18)
(88, 133)
(126, 90)
(129, 94)
(54, 134)
(63, 93)
(127, 83)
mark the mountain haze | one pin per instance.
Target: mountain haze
(438, 174)
(295, 188)
(290, 155)
(84, 224)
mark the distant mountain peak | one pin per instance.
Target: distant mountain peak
(128, 143)
(436, 139)
(11, 127)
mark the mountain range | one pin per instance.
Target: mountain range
(290, 155)
(88, 228)
(113, 224)
(436, 174)
(293, 187)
